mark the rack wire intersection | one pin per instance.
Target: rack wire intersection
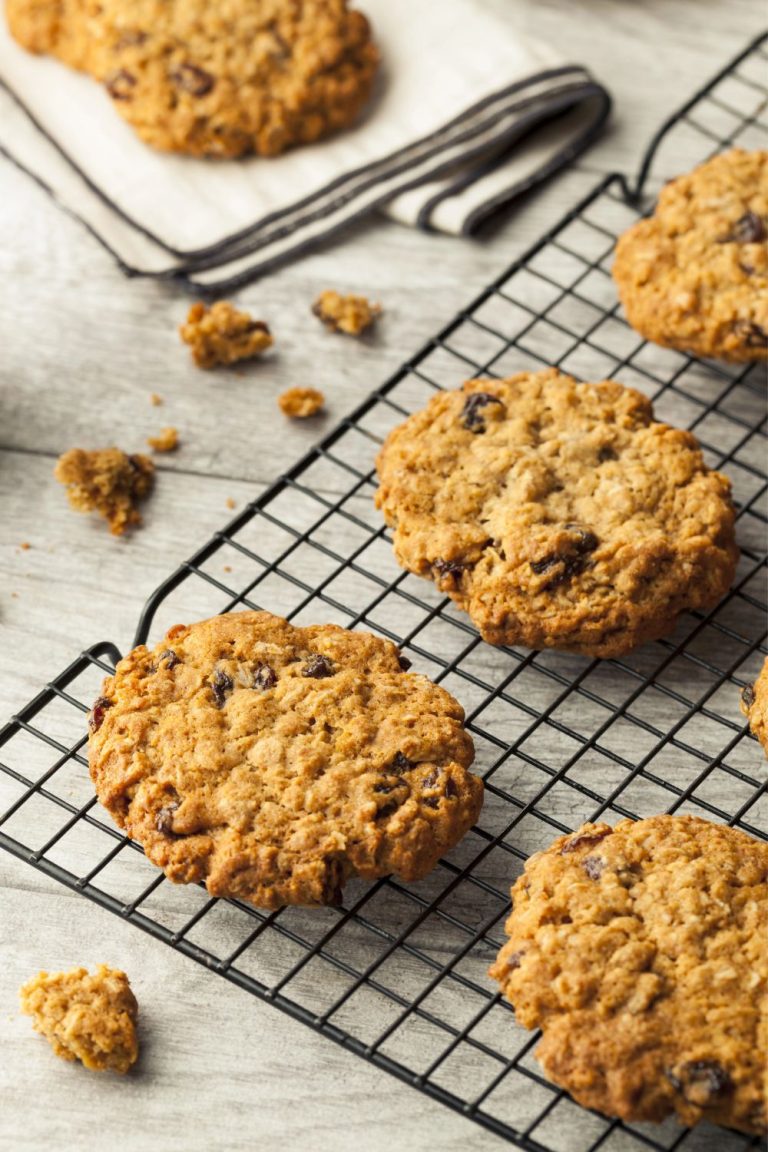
(398, 974)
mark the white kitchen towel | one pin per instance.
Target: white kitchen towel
(467, 114)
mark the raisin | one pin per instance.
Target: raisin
(96, 718)
(450, 568)
(582, 543)
(748, 695)
(333, 883)
(400, 764)
(747, 269)
(387, 809)
(431, 801)
(318, 667)
(194, 80)
(450, 787)
(264, 677)
(607, 453)
(471, 416)
(404, 662)
(588, 838)
(383, 786)
(700, 1081)
(164, 820)
(257, 326)
(593, 866)
(514, 960)
(221, 685)
(753, 335)
(120, 84)
(748, 229)
(430, 779)
(170, 657)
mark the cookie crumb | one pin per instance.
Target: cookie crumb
(166, 441)
(227, 568)
(298, 403)
(352, 315)
(107, 481)
(222, 335)
(155, 400)
(91, 1018)
(230, 502)
(25, 545)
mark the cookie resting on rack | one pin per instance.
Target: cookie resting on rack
(558, 514)
(694, 276)
(642, 954)
(274, 762)
(213, 79)
(754, 705)
(86, 1017)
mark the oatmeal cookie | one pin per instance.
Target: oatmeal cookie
(298, 403)
(642, 954)
(220, 334)
(694, 276)
(210, 79)
(91, 1018)
(107, 481)
(352, 315)
(275, 762)
(558, 514)
(754, 705)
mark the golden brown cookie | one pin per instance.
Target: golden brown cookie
(642, 954)
(91, 1018)
(108, 481)
(558, 514)
(352, 315)
(754, 705)
(213, 79)
(694, 276)
(220, 334)
(276, 762)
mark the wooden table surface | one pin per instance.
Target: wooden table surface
(81, 349)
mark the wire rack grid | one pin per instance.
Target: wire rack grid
(398, 974)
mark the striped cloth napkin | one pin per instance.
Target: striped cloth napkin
(467, 115)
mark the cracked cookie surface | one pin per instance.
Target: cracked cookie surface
(275, 762)
(86, 1017)
(694, 276)
(642, 954)
(754, 705)
(210, 79)
(558, 514)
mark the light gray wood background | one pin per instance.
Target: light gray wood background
(81, 349)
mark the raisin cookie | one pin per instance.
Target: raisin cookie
(108, 481)
(90, 1018)
(210, 79)
(558, 514)
(275, 762)
(694, 276)
(642, 954)
(754, 705)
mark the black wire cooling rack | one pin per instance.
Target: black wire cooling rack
(398, 974)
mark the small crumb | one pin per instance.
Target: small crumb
(15, 595)
(155, 400)
(352, 315)
(25, 546)
(91, 1018)
(166, 441)
(298, 403)
(222, 335)
(107, 481)
(227, 567)
(231, 503)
